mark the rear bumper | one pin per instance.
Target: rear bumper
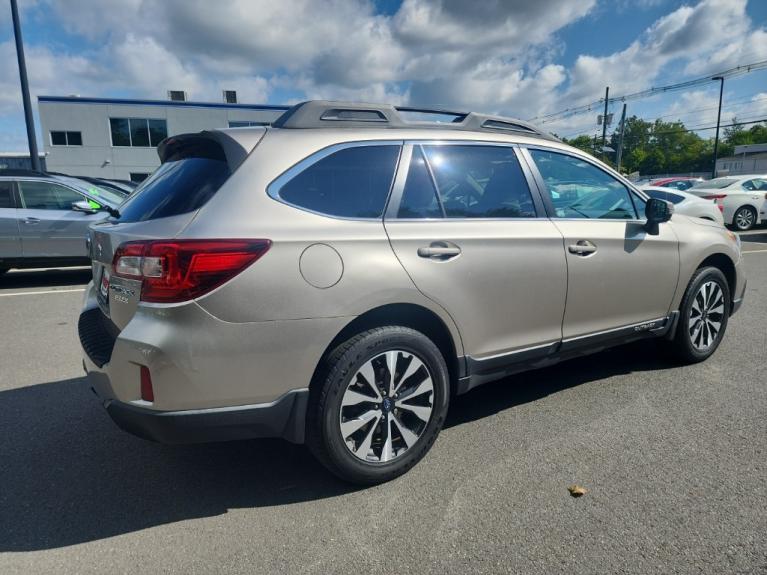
(282, 418)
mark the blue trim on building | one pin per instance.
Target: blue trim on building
(128, 102)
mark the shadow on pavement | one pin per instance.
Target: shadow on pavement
(69, 476)
(45, 278)
(754, 238)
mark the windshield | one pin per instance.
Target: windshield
(96, 193)
(717, 183)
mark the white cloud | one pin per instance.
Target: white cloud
(491, 56)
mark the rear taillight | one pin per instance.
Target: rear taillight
(714, 197)
(179, 270)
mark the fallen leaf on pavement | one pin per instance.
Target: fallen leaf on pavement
(577, 490)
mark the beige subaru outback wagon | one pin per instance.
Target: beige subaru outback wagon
(340, 277)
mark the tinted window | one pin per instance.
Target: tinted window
(120, 131)
(47, 196)
(59, 138)
(755, 184)
(139, 133)
(6, 195)
(668, 196)
(580, 190)
(158, 131)
(480, 182)
(419, 199)
(176, 187)
(351, 183)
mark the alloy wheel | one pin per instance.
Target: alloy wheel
(706, 316)
(744, 219)
(387, 406)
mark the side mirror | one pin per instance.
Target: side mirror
(657, 212)
(85, 206)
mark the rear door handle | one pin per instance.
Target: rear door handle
(31, 220)
(582, 248)
(440, 251)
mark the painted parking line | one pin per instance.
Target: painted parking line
(755, 252)
(42, 292)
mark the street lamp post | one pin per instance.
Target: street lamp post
(31, 137)
(718, 120)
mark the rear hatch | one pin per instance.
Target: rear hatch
(193, 169)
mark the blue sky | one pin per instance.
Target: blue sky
(515, 57)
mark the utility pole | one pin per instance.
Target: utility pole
(604, 122)
(620, 138)
(718, 120)
(31, 137)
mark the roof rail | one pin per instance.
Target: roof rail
(329, 114)
(20, 172)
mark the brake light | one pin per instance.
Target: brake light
(715, 197)
(173, 271)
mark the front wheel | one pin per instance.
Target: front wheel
(377, 405)
(744, 218)
(703, 317)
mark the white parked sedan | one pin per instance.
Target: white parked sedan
(743, 198)
(687, 204)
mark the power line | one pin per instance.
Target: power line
(732, 72)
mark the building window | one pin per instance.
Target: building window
(244, 124)
(137, 132)
(138, 177)
(66, 138)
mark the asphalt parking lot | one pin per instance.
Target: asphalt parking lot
(674, 460)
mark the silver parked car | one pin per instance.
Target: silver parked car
(687, 204)
(340, 277)
(44, 218)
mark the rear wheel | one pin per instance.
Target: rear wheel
(378, 404)
(704, 313)
(744, 218)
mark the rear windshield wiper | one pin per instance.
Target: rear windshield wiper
(114, 212)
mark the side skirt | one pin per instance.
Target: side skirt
(484, 370)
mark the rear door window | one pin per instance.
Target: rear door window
(668, 196)
(188, 178)
(6, 195)
(352, 182)
(472, 181)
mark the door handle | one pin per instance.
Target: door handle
(440, 251)
(31, 220)
(582, 248)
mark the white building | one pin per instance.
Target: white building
(748, 159)
(116, 138)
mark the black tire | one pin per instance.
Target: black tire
(683, 347)
(323, 430)
(744, 218)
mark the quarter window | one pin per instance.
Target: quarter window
(60, 138)
(351, 183)
(469, 181)
(137, 132)
(47, 196)
(578, 189)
